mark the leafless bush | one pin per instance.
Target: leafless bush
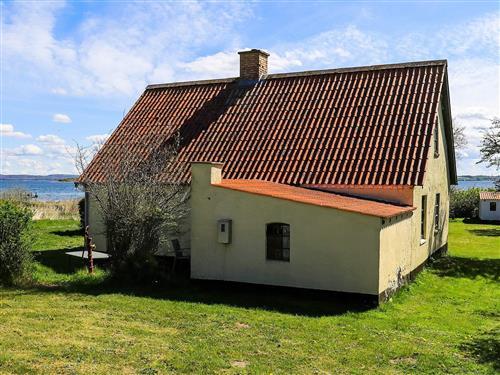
(459, 138)
(141, 201)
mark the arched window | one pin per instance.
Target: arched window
(278, 241)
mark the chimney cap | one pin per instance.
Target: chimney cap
(254, 50)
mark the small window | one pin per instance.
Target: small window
(437, 207)
(223, 228)
(423, 219)
(436, 140)
(493, 206)
(278, 242)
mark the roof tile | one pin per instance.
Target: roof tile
(317, 198)
(348, 126)
(494, 195)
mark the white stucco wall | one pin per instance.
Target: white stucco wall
(330, 249)
(484, 209)
(97, 228)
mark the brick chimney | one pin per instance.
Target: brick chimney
(253, 64)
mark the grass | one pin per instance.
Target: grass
(447, 321)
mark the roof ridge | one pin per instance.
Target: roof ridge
(305, 73)
(191, 83)
(365, 68)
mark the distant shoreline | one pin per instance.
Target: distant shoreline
(477, 178)
(50, 177)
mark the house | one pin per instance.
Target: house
(489, 205)
(334, 179)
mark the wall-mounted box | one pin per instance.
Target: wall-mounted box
(224, 230)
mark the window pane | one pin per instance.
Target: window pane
(423, 219)
(436, 140)
(436, 211)
(278, 241)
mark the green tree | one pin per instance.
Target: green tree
(490, 148)
(15, 255)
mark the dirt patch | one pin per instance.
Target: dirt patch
(239, 364)
(404, 360)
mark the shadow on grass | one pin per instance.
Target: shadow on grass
(285, 300)
(181, 288)
(485, 232)
(485, 349)
(476, 220)
(467, 267)
(68, 233)
(60, 262)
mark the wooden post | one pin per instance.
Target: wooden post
(89, 244)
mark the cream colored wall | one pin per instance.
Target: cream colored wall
(436, 180)
(395, 251)
(97, 228)
(330, 249)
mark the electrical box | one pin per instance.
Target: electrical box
(224, 230)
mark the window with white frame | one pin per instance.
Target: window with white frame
(423, 217)
(436, 140)
(437, 207)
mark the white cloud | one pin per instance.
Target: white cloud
(219, 65)
(474, 38)
(115, 55)
(51, 139)
(39, 165)
(56, 147)
(160, 42)
(97, 138)
(62, 118)
(59, 91)
(333, 48)
(7, 130)
(29, 149)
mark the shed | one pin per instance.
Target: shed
(489, 205)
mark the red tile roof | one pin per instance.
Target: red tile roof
(356, 126)
(489, 195)
(317, 198)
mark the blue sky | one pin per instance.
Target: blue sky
(70, 70)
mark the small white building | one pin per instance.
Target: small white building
(489, 205)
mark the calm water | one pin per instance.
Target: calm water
(51, 190)
(47, 190)
(464, 185)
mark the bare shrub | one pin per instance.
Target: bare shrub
(141, 201)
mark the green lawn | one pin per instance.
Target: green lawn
(447, 321)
